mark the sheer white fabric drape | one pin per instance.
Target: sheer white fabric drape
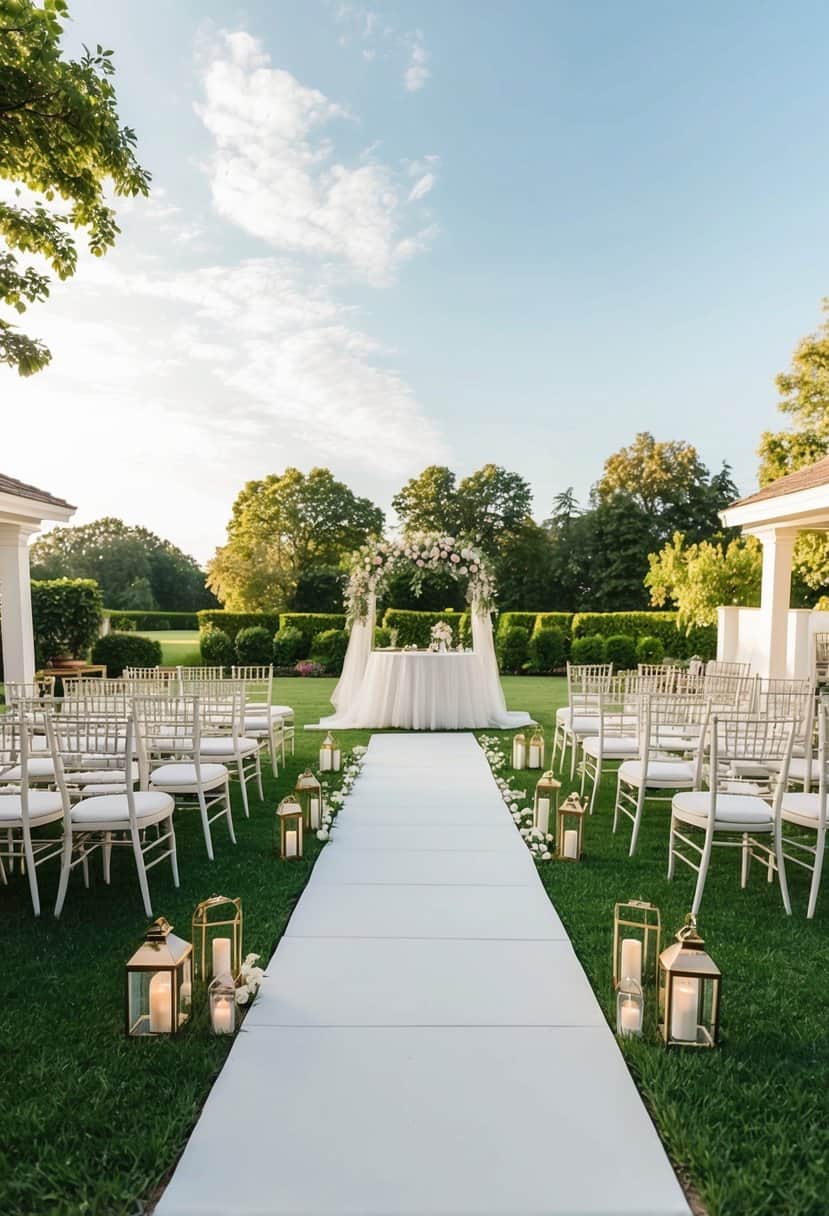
(360, 644)
(484, 646)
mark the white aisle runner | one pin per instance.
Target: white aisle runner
(425, 1040)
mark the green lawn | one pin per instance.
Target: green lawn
(93, 1122)
(179, 647)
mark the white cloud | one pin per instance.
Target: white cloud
(418, 71)
(422, 186)
(273, 171)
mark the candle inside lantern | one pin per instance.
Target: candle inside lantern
(221, 956)
(222, 1015)
(543, 815)
(325, 759)
(291, 843)
(535, 756)
(161, 1004)
(314, 813)
(631, 962)
(630, 1017)
(519, 753)
(571, 844)
(335, 760)
(684, 1009)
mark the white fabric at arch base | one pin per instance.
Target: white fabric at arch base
(378, 689)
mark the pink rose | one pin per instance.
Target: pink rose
(444, 554)
(378, 561)
(420, 562)
(474, 569)
(454, 558)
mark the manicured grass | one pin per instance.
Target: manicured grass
(179, 647)
(93, 1122)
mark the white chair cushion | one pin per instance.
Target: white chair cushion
(102, 776)
(185, 774)
(616, 747)
(735, 812)
(110, 809)
(661, 774)
(283, 711)
(260, 726)
(223, 745)
(95, 791)
(43, 805)
(38, 770)
(803, 809)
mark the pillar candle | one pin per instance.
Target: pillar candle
(630, 1017)
(291, 843)
(335, 760)
(222, 1015)
(314, 813)
(542, 815)
(684, 1009)
(519, 756)
(221, 955)
(161, 1003)
(631, 961)
(535, 756)
(571, 843)
(325, 759)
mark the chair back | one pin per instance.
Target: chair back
(718, 667)
(258, 683)
(672, 724)
(167, 730)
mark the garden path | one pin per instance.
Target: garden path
(425, 1040)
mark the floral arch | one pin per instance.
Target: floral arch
(373, 564)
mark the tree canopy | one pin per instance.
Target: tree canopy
(485, 507)
(283, 526)
(134, 568)
(697, 578)
(62, 146)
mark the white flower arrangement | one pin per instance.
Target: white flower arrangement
(372, 565)
(250, 977)
(521, 814)
(441, 634)
(334, 799)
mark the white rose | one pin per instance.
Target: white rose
(546, 856)
(322, 834)
(242, 994)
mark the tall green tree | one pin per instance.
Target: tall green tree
(134, 568)
(281, 527)
(697, 578)
(62, 145)
(486, 507)
(428, 502)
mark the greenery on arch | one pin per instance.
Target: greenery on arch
(419, 553)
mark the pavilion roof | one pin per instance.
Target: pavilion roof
(802, 479)
(20, 489)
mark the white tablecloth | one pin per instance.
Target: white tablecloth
(421, 690)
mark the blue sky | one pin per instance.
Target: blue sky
(389, 234)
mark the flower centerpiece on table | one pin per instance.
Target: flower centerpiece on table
(441, 636)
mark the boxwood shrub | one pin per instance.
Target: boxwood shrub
(120, 650)
(415, 628)
(216, 648)
(288, 646)
(589, 649)
(310, 624)
(512, 649)
(254, 646)
(620, 650)
(329, 648)
(649, 650)
(547, 651)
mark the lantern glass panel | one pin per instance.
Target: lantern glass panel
(159, 983)
(217, 919)
(308, 793)
(290, 820)
(637, 931)
(519, 752)
(630, 1008)
(689, 991)
(570, 829)
(222, 1000)
(535, 751)
(545, 803)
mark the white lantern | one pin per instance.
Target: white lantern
(330, 755)
(519, 751)
(535, 750)
(222, 999)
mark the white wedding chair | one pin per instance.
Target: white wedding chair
(577, 719)
(101, 821)
(223, 738)
(617, 738)
(671, 734)
(719, 667)
(168, 734)
(23, 808)
(780, 698)
(657, 677)
(724, 815)
(806, 812)
(279, 725)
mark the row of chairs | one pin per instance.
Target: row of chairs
(111, 763)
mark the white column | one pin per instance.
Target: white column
(778, 544)
(16, 594)
(728, 633)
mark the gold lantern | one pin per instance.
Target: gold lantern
(545, 802)
(689, 991)
(519, 751)
(570, 828)
(535, 749)
(330, 755)
(221, 996)
(217, 937)
(308, 792)
(637, 933)
(630, 1008)
(288, 827)
(158, 987)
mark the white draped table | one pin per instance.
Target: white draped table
(424, 690)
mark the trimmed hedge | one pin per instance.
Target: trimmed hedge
(465, 629)
(151, 621)
(620, 650)
(310, 624)
(120, 650)
(66, 614)
(524, 620)
(415, 628)
(231, 622)
(701, 640)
